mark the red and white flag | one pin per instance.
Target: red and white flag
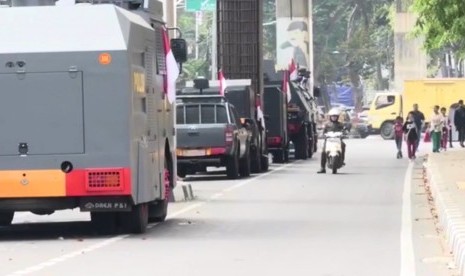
(286, 85)
(260, 115)
(223, 83)
(172, 69)
(293, 71)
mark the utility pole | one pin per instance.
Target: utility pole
(214, 45)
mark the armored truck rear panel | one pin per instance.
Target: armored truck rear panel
(276, 109)
(243, 99)
(76, 117)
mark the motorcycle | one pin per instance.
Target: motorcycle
(333, 152)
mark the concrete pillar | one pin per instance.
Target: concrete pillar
(169, 14)
(410, 61)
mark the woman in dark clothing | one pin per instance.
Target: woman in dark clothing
(411, 135)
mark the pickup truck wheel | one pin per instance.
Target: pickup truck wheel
(6, 218)
(232, 167)
(244, 166)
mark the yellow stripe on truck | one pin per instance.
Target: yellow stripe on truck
(33, 183)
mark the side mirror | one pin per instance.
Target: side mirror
(316, 92)
(179, 48)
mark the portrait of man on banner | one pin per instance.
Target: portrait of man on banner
(293, 42)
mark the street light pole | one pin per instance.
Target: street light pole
(214, 46)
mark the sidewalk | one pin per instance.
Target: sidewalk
(446, 176)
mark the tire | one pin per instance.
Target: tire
(286, 155)
(301, 146)
(232, 167)
(363, 135)
(255, 161)
(310, 149)
(182, 171)
(244, 166)
(335, 164)
(387, 131)
(105, 223)
(6, 218)
(137, 219)
(265, 163)
(278, 157)
(158, 210)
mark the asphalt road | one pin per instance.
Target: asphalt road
(290, 221)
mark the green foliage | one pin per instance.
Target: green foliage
(269, 29)
(442, 23)
(353, 39)
(201, 66)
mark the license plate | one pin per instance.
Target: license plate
(191, 153)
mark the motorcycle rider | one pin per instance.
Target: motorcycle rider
(335, 126)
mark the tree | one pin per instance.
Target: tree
(442, 23)
(353, 41)
(196, 67)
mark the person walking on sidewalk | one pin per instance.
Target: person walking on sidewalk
(436, 128)
(452, 110)
(459, 122)
(445, 128)
(399, 135)
(419, 120)
(411, 136)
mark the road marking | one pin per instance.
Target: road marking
(109, 241)
(240, 184)
(407, 261)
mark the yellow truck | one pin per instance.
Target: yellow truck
(427, 93)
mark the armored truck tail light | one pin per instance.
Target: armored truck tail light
(293, 127)
(275, 140)
(229, 135)
(104, 180)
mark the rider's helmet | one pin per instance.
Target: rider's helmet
(334, 115)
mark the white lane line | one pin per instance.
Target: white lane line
(240, 184)
(115, 239)
(407, 261)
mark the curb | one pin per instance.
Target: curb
(451, 218)
(183, 192)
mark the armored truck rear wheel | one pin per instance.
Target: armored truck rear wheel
(301, 146)
(104, 223)
(158, 210)
(311, 148)
(136, 220)
(232, 167)
(6, 218)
